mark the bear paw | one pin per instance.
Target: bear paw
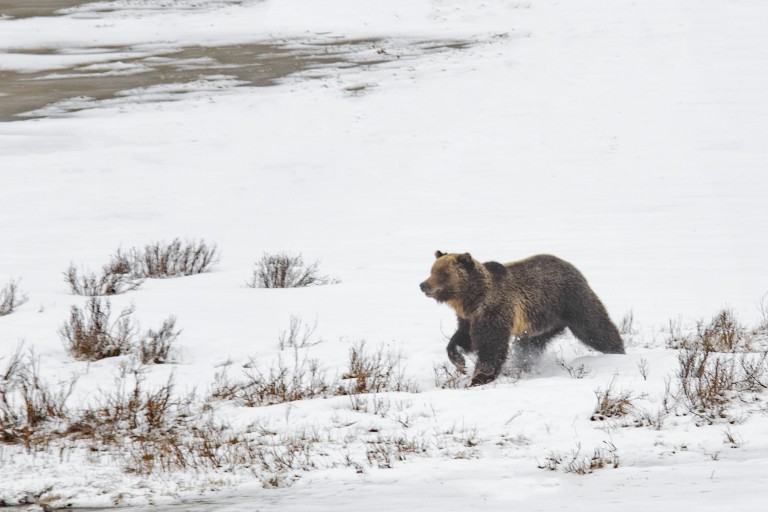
(481, 378)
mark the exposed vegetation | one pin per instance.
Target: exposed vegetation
(11, 298)
(126, 271)
(375, 372)
(173, 259)
(716, 367)
(27, 402)
(580, 463)
(448, 377)
(612, 403)
(574, 371)
(303, 378)
(116, 277)
(286, 271)
(92, 333)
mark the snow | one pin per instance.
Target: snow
(625, 137)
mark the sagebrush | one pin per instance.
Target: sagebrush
(173, 259)
(115, 277)
(92, 333)
(284, 270)
(126, 271)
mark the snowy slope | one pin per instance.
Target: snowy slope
(626, 137)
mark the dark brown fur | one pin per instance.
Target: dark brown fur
(534, 299)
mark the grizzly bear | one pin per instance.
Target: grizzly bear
(534, 300)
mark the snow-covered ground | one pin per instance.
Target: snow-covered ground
(626, 137)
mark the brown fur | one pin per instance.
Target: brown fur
(534, 299)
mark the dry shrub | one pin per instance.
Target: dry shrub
(375, 372)
(574, 371)
(298, 335)
(723, 333)
(27, 402)
(286, 271)
(128, 411)
(174, 259)
(92, 334)
(612, 403)
(11, 298)
(125, 271)
(627, 326)
(156, 347)
(447, 376)
(717, 365)
(707, 382)
(116, 277)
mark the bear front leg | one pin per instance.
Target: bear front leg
(491, 337)
(461, 339)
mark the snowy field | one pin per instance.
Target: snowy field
(626, 137)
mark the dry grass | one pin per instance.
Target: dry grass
(283, 382)
(383, 451)
(302, 377)
(581, 463)
(11, 298)
(612, 403)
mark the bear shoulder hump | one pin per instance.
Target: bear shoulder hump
(496, 269)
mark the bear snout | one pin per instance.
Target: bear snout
(427, 289)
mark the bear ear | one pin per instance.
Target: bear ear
(466, 260)
(439, 254)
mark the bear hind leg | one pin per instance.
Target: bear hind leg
(529, 349)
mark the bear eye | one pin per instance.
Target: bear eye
(442, 276)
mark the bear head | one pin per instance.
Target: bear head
(449, 278)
